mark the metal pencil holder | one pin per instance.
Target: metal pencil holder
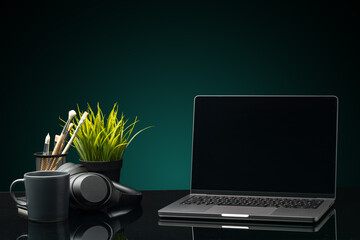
(49, 162)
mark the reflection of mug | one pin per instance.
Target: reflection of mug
(53, 231)
(47, 195)
(85, 226)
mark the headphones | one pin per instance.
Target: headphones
(94, 191)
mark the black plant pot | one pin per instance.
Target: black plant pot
(109, 169)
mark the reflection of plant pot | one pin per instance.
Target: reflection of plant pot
(110, 169)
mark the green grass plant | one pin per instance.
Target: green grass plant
(100, 139)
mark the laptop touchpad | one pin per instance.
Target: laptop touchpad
(242, 210)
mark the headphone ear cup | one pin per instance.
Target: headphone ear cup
(90, 190)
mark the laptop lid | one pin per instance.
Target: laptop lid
(265, 145)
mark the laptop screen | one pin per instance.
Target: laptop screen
(268, 144)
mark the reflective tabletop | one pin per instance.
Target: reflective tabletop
(341, 222)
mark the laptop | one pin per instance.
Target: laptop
(261, 158)
(328, 219)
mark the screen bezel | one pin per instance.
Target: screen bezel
(261, 193)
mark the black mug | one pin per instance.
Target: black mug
(47, 195)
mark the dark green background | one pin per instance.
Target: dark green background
(153, 57)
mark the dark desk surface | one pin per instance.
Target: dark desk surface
(143, 223)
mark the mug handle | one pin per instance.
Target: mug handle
(24, 235)
(12, 194)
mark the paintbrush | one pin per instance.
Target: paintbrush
(82, 120)
(66, 136)
(57, 149)
(46, 145)
(69, 129)
(55, 160)
(45, 151)
(56, 139)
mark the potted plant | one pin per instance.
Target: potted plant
(101, 142)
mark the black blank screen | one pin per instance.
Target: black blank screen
(265, 144)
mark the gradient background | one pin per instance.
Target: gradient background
(153, 57)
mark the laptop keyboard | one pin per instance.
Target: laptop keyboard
(254, 201)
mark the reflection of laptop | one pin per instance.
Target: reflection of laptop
(252, 225)
(265, 158)
(327, 231)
